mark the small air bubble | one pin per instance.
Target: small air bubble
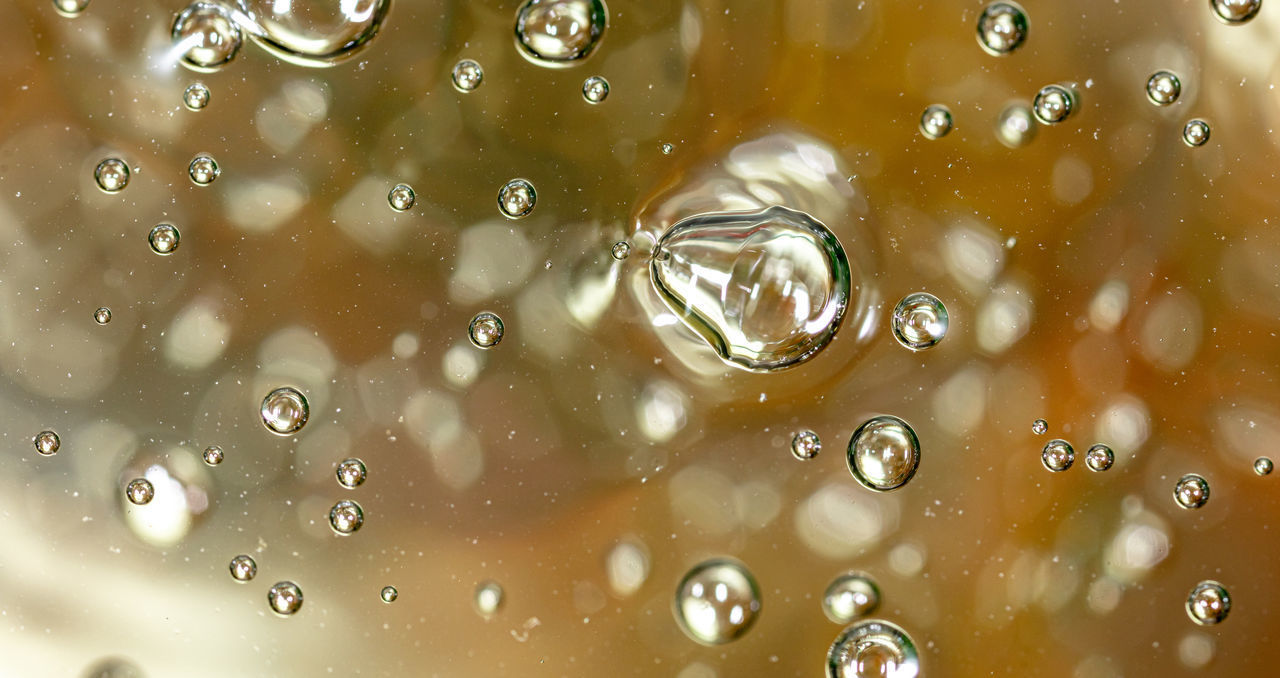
(389, 594)
(1099, 458)
(1039, 427)
(935, 122)
(140, 491)
(1209, 603)
(203, 170)
(1002, 28)
(486, 330)
(1057, 455)
(595, 89)
(1191, 491)
(102, 316)
(621, 250)
(884, 453)
(805, 445)
(919, 321)
(112, 175)
(351, 473)
(213, 455)
(243, 568)
(1163, 88)
(717, 601)
(1263, 466)
(401, 197)
(346, 517)
(850, 596)
(164, 239)
(47, 443)
(1235, 11)
(196, 96)
(285, 598)
(1054, 103)
(285, 411)
(1196, 133)
(467, 75)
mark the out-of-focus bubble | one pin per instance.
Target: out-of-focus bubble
(467, 75)
(1039, 427)
(285, 411)
(1191, 491)
(401, 197)
(1099, 458)
(47, 443)
(488, 598)
(389, 594)
(351, 473)
(1053, 104)
(102, 316)
(113, 667)
(316, 34)
(1163, 88)
(1235, 11)
(805, 445)
(70, 8)
(112, 175)
(1209, 603)
(205, 36)
(595, 89)
(919, 321)
(559, 33)
(517, 198)
(196, 96)
(1263, 466)
(935, 122)
(873, 649)
(1016, 125)
(164, 239)
(346, 517)
(203, 170)
(627, 567)
(850, 596)
(213, 455)
(284, 598)
(1057, 455)
(1002, 28)
(884, 453)
(1195, 133)
(243, 568)
(717, 601)
(140, 491)
(486, 330)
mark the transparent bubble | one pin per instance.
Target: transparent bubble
(488, 598)
(212, 455)
(112, 175)
(1039, 427)
(352, 473)
(766, 290)
(102, 316)
(621, 250)
(717, 601)
(467, 75)
(70, 8)
(1208, 603)
(558, 33)
(595, 89)
(935, 122)
(805, 445)
(1016, 126)
(1235, 11)
(1191, 491)
(206, 36)
(203, 170)
(1263, 466)
(1196, 133)
(919, 321)
(196, 96)
(389, 594)
(850, 596)
(516, 198)
(316, 34)
(1002, 28)
(883, 453)
(47, 443)
(1057, 455)
(486, 330)
(666, 148)
(285, 411)
(401, 197)
(243, 568)
(873, 649)
(1099, 458)
(140, 491)
(164, 239)
(1053, 104)
(1163, 88)
(284, 598)
(346, 517)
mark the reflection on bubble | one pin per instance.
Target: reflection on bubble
(1196, 133)
(620, 250)
(1057, 455)
(285, 411)
(873, 649)
(102, 316)
(1163, 88)
(243, 568)
(1191, 491)
(717, 601)
(1053, 104)
(467, 75)
(486, 330)
(1039, 427)
(47, 443)
(284, 598)
(112, 175)
(1099, 458)
(488, 598)
(595, 89)
(346, 517)
(351, 473)
(1235, 11)
(1002, 28)
(935, 122)
(1263, 466)
(140, 491)
(213, 455)
(315, 34)
(401, 197)
(203, 170)
(205, 36)
(805, 445)
(884, 453)
(850, 596)
(516, 199)
(164, 239)
(1208, 603)
(389, 594)
(70, 8)
(196, 96)
(559, 33)
(919, 321)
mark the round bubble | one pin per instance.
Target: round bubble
(1002, 28)
(717, 601)
(401, 197)
(1191, 491)
(850, 596)
(1195, 133)
(389, 594)
(873, 648)
(351, 473)
(47, 443)
(919, 321)
(1057, 455)
(560, 33)
(488, 598)
(112, 175)
(102, 316)
(1053, 104)
(1099, 458)
(467, 75)
(595, 89)
(935, 122)
(883, 453)
(70, 8)
(805, 445)
(1208, 603)
(1016, 125)
(486, 330)
(1263, 466)
(621, 250)
(285, 411)
(206, 36)
(140, 491)
(1235, 11)
(1039, 427)
(196, 96)
(516, 198)
(1163, 88)
(164, 239)
(284, 598)
(203, 170)
(243, 568)
(212, 455)
(346, 517)
(316, 34)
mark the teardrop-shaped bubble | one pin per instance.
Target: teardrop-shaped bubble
(558, 33)
(766, 290)
(316, 33)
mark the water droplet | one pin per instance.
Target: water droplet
(70, 8)
(284, 598)
(1163, 88)
(558, 33)
(285, 411)
(213, 455)
(316, 34)
(102, 316)
(488, 598)
(1039, 427)
(1196, 133)
(621, 250)
(467, 75)
(1191, 492)
(1057, 455)
(805, 445)
(935, 122)
(486, 330)
(112, 175)
(883, 453)
(401, 197)
(516, 198)
(1099, 458)
(203, 170)
(873, 649)
(1263, 466)
(1209, 603)
(47, 443)
(1002, 28)
(717, 601)
(920, 321)
(389, 594)
(595, 89)
(346, 517)
(666, 148)
(1235, 11)
(196, 96)
(243, 568)
(352, 473)
(206, 35)
(850, 596)
(1016, 126)
(164, 239)
(767, 290)
(140, 491)
(1053, 104)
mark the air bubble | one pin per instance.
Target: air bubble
(1099, 458)
(389, 594)
(351, 473)
(873, 649)
(196, 96)
(346, 517)
(401, 197)
(1191, 491)
(112, 175)
(284, 598)
(919, 321)
(850, 596)
(203, 170)
(805, 445)
(1209, 603)
(516, 198)
(935, 122)
(666, 148)
(316, 34)
(1235, 11)
(47, 443)
(102, 316)
(467, 75)
(595, 89)
(766, 290)
(212, 455)
(485, 330)
(1016, 125)
(1039, 427)
(1053, 104)
(1263, 466)
(243, 568)
(1163, 88)
(1057, 455)
(1002, 28)
(70, 8)
(285, 411)
(488, 598)
(140, 491)
(206, 36)
(717, 601)
(621, 250)
(884, 453)
(164, 239)
(1196, 133)
(559, 33)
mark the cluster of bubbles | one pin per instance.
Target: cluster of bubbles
(203, 170)
(1191, 491)
(919, 321)
(401, 197)
(516, 198)
(1058, 455)
(102, 316)
(717, 601)
(1208, 603)
(884, 453)
(805, 445)
(485, 330)
(285, 411)
(164, 239)
(47, 443)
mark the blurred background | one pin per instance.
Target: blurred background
(1099, 273)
